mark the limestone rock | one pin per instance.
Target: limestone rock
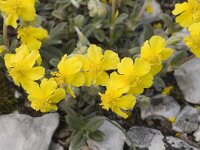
(187, 120)
(146, 138)
(177, 144)
(161, 105)
(187, 77)
(113, 140)
(23, 132)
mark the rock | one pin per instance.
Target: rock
(161, 105)
(187, 120)
(197, 135)
(187, 77)
(113, 140)
(55, 146)
(23, 132)
(151, 139)
(146, 138)
(173, 143)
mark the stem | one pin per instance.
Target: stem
(5, 35)
(186, 59)
(112, 21)
(123, 131)
(142, 9)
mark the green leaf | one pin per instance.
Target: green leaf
(178, 57)
(79, 21)
(74, 122)
(58, 30)
(78, 140)
(97, 136)
(54, 61)
(83, 39)
(173, 40)
(158, 83)
(94, 123)
(168, 21)
(147, 32)
(121, 18)
(99, 35)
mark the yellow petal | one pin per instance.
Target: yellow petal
(141, 67)
(136, 90)
(70, 91)
(156, 69)
(119, 112)
(194, 29)
(88, 78)
(157, 43)
(126, 102)
(102, 79)
(28, 11)
(185, 19)
(126, 66)
(78, 79)
(166, 53)
(94, 54)
(48, 86)
(110, 61)
(147, 80)
(57, 96)
(34, 73)
(11, 20)
(69, 66)
(145, 50)
(179, 8)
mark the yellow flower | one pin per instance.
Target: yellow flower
(167, 90)
(21, 66)
(2, 49)
(136, 76)
(149, 9)
(46, 96)
(188, 12)
(70, 73)
(14, 9)
(193, 40)
(172, 119)
(154, 52)
(32, 36)
(115, 100)
(95, 64)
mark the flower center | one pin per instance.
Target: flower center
(193, 41)
(196, 12)
(154, 60)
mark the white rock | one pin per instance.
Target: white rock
(113, 139)
(146, 138)
(187, 120)
(197, 135)
(161, 105)
(23, 132)
(177, 144)
(151, 139)
(188, 79)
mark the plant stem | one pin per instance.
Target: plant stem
(112, 27)
(124, 132)
(5, 35)
(187, 59)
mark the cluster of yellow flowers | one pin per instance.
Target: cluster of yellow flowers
(189, 18)
(128, 78)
